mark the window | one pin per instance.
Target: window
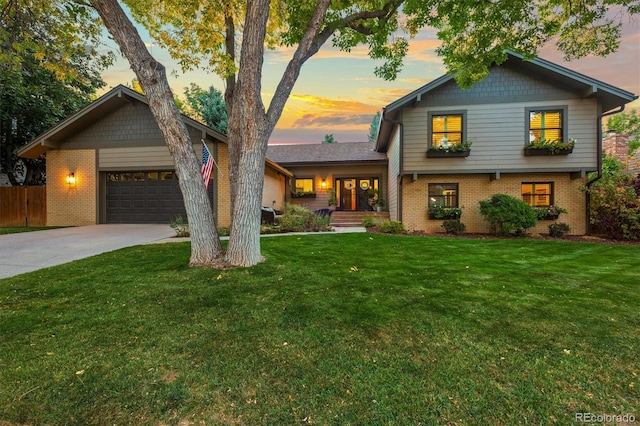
(446, 129)
(303, 185)
(443, 194)
(538, 194)
(546, 124)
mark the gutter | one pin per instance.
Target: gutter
(400, 160)
(599, 171)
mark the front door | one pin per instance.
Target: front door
(353, 193)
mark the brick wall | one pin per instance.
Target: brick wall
(474, 188)
(616, 145)
(71, 205)
(223, 214)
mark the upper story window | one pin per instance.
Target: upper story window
(303, 185)
(446, 129)
(538, 194)
(546, 124)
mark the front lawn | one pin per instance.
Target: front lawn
(332, 329)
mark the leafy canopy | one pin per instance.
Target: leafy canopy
(207, 106)
(473, 34)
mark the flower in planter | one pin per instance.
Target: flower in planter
(551, 211)
(553, 145)
(446, 146)
(440, 212)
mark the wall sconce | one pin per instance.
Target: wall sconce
(323, 184)
(71, 179)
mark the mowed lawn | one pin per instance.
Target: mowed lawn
(345, 329)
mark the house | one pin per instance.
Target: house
(108, 163)
(425, 136)
(347, 172)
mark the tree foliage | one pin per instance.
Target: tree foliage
(373, 127)
(63, 37)
(47, 72)
(208, 107)
(328, 138)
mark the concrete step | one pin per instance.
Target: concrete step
(349, 218)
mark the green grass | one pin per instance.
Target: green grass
(18, 229)
(331, 329)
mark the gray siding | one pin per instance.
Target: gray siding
(130, 125)
(496, 125)
(393, 173)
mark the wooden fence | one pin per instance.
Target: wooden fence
(23, 206)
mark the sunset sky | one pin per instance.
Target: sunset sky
(337, 93)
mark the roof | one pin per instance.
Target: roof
(278, 168)
(609, 96)
(87, 116)
(327, 153)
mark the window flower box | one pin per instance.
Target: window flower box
(549, 147)
(303, 195)
(444, 213)
(548, 213)
(449, 149)
(438, 153)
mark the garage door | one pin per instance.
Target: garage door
(144, 197)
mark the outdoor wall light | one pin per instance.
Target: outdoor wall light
(71, 179)
(323, 184)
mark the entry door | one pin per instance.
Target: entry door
(353, 193)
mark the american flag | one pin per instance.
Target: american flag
(207, 165)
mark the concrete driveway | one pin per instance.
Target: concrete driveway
(30, 251)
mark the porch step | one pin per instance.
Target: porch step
(343, 219)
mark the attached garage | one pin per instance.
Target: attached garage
(122, 169)
(144, 197)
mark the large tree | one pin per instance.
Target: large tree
(49, 68)
(207, 106)
(231, 37)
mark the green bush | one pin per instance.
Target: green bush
(180, 226)
(453, 226)
(507, 214)
(558, 229)
(391, 227)
(371, 221)
(615, 206)
(297, 218)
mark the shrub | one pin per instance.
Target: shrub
(180, 226)
(453, 226)
(391, 227)
(371, 221)
(558, 229)
(615, 207)
(296, 218)
(507, 214)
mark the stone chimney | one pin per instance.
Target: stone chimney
(616, 145)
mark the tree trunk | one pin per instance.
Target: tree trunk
(248, 134)
(206, 248)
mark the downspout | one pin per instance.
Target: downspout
(401, 159)
(599, 157)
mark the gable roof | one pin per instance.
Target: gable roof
(87, 116)
(326, 153)
(609, 96)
